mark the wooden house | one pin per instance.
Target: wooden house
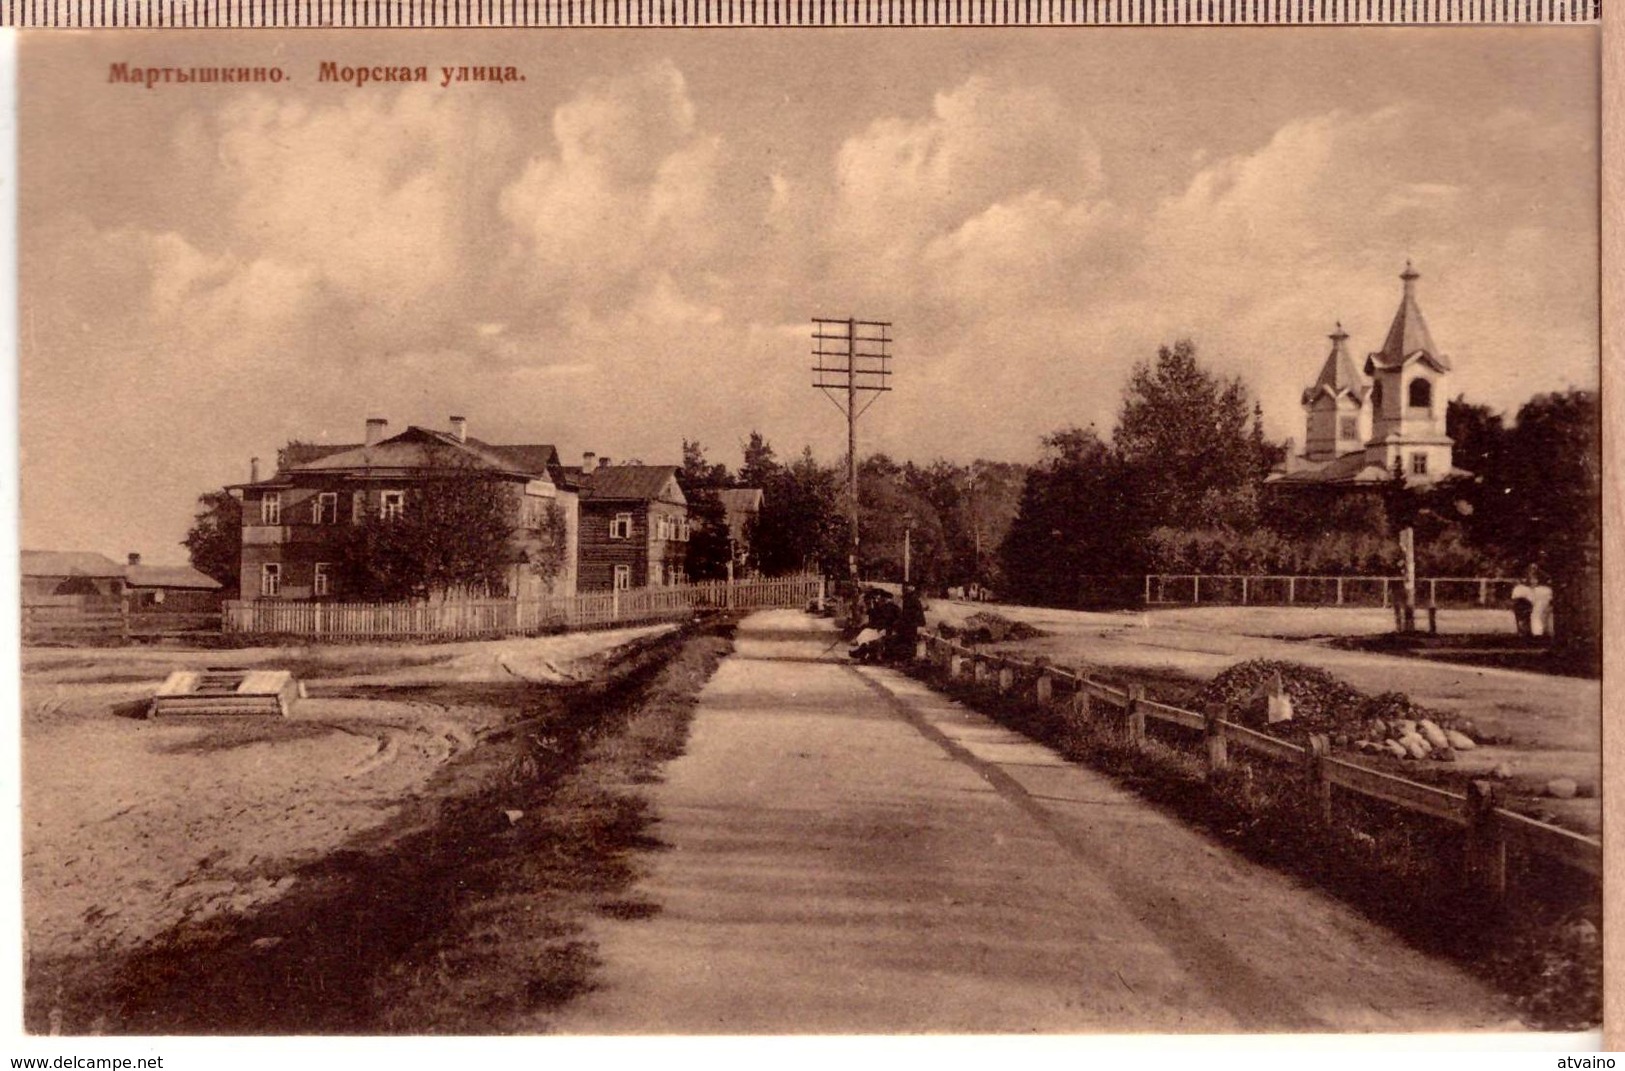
(294, 521)
(634, 525)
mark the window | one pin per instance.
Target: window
(621, 526)
(320, 583)
(271, 509)
(623, 577)
(324, 508)
(1419, 464)
(1376, 396)
(391, 504)
(358, 507)
(1421, 394)
(1348, 427)
(270, 580)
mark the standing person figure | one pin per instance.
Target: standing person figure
(905, 632)
(1523, 603)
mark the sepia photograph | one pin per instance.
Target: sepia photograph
(958, 530)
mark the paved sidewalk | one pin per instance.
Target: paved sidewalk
(852, 853)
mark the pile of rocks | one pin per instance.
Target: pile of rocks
(1407, 738)
(1389, 722)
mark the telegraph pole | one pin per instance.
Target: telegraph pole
(853, 358)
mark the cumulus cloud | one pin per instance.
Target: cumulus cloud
(625, 194)
(616, 262)
(904, 182)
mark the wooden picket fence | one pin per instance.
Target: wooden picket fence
(476, 618)
(1489, 829)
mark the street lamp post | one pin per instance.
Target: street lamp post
(908, 531)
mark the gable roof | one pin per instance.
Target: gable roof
(419, 449)
(1408, 336)
(632, 483)
(169, 576)
(69, 563)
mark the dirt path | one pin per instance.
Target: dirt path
(853, 853)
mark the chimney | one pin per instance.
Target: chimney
(603, 462)
(253, 470)
(587, 460)
(459, 428)
(134, 558)
(375, 430)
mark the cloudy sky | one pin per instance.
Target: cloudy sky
(626, 248)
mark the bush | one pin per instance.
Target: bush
(1266, 552)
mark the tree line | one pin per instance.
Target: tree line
(1179, 485)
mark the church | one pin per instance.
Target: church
(1367, 424)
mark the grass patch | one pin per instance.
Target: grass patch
(1541, 946)
(463, 916)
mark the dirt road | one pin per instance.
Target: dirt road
(849, 852)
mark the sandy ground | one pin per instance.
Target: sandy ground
(131, 825)
(852, 853)
(1552, 725)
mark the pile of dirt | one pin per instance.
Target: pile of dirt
(1390, 722)
(984, 626)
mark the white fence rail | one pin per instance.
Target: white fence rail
(509, 617)
(1195, 589)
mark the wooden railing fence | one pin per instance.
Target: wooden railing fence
(103, 620)
(473, 618)
(1196, 589)
(1489, 828)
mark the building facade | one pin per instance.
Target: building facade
(1366, 425)
(634, 525)
(295, 522)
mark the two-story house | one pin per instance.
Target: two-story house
(295, 521)
(634, 525)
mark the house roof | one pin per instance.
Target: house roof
(1408, 336)
(296, 454)
(421, 448)
(169, 576)
(632, 483)
(526, 457)
(1350, 468)
(69, 563)
(1338, 375)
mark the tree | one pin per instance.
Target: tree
(890, 506)
(1554, 496)
(760, 466)
(1192, 441)
(709, 547)
(697, 472)
(801, 524)
(1078, 526)
(459, 534)
(215, 540)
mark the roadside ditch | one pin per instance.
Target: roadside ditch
(463, 914)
